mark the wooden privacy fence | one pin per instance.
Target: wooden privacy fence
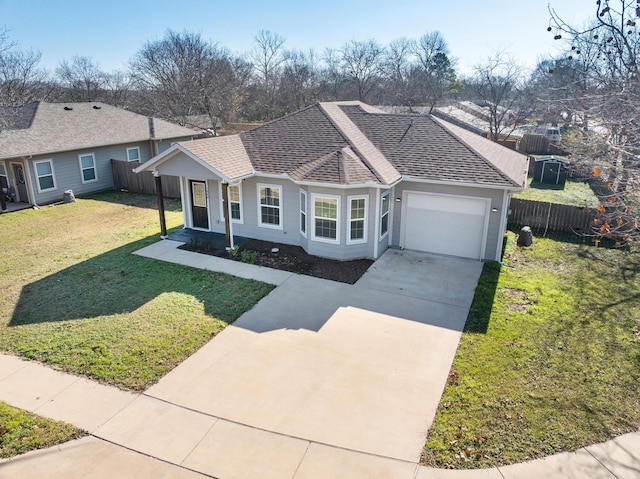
(542, 217)
(125, 179)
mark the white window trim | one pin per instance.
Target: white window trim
(350, 219)
(4, 168)
(313, 228)
(139, 160)
(260, 205)
(223, 213)
(53, 175)
(387, 214)
(95, 169)
(305, 212)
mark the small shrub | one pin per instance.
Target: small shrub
(247, 256)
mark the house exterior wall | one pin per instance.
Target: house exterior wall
(494, 230)
(68, 174)
(289, 230)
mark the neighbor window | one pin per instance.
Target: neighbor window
(44, 175)
(357, 219)
(235, 204)
(326, 211)
(133, 154)
(269, 198)
(303, 212)
(384, 214)
(4, 180)
(88, 168)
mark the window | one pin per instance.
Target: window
(303, 212)
(270, 208)
(384, 214)
(133, 154)
(88, 168)
(44, 175)
(326, 211)
(4, 180)
(235, 202)
(357, 219)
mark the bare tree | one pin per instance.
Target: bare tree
(362, 65)
(331, 76)
(81, 79)
(299, 81)
(21, 79)
(268, 58)
(433, 76)
(183, 75)
(604, 54)
(496, 83)
(398, 65)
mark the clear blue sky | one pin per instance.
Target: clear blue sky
(112, 31)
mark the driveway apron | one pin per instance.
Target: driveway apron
(360, 367)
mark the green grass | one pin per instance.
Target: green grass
(21, 432)
(549, 360)
(574, 193)
(74, 297)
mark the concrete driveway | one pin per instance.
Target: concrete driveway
(358, 367)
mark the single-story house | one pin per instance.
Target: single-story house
(47, 148)
(344, 180)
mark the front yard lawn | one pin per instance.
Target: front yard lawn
(22, 431)
(549, 360)
(74, 297)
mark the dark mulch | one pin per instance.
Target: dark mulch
(288, 258)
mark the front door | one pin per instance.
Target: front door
(21, 185)
(199, 210)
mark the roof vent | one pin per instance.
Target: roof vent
(67, 108)
(96, 107)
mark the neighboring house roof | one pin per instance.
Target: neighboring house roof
(353, 143)
(43, 128)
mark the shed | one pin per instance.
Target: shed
(550, 170)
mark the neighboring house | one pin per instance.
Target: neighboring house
(344, 180)
(47, 148)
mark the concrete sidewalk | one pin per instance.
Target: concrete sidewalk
(164, 433)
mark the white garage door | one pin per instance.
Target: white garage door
(444, 224)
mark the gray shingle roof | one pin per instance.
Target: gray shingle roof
(421, 146)
(353, 143)
(82, 125)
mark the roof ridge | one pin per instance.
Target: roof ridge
(445, 125)
(369, 154)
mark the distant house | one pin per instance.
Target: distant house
(344, 180)
(47, 148)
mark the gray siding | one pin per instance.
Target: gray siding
(67, 172)
(494, 235)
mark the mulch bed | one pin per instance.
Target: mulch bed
(288, 258)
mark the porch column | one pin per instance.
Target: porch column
(227, 214)
(163, 222)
